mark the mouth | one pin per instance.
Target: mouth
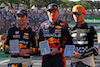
(19, 21)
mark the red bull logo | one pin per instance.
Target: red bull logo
(52, 40)
(22, 45)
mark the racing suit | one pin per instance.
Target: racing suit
(57, 35)
(83, 36)
(26, 39)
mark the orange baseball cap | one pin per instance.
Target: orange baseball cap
(79, 9)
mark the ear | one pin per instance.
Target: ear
(84, 14)
(58, 12)
(27, 17)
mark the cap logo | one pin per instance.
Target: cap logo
(18, 11)
(23, 12)
(49, 7)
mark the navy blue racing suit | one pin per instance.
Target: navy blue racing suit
(58, 36)
(26, 38)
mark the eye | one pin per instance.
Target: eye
(20, 16)
(54, 11)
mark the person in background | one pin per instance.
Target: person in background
(56, 33)
(26, 39)
(82, 36)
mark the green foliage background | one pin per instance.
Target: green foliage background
(88, 4)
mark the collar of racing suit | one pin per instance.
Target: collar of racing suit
(22, 28)
(81, 26)
(54, 22)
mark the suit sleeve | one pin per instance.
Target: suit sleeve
(66, 38)
(8, 37)
(93, 49)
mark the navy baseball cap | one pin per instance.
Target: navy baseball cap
(52, 6)
(22, 12)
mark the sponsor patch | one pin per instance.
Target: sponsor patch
(46, 26)
(16, 32)
(16, 36)
(52, 40)
(58, 27)
(26, 37)
(61, 23)
(26, 34)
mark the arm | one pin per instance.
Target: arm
(67, 40)
(92, 49)
(31, 46)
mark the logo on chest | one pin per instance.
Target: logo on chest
(26, 36)
(16, 36)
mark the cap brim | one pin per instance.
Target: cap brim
(51, 9)
(20, 13)
(77, 12)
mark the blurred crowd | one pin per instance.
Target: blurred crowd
(8, 18)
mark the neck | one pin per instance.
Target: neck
(53, 21)
(22, 26)
(80, 23)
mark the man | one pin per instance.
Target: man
(26, 38)
(57, 34)
(83, 36)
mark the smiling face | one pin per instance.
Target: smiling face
(53, 15)
(79, 18)
(22, 20)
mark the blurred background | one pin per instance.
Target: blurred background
(37, 11)
(37, 14)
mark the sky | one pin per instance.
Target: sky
(79, 0)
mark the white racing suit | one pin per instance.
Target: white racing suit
(83, 36)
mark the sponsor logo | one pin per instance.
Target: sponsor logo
(61, 23)
(22, 46)
(26, 37)
(16, 36)
(46, 26)
(52, 40)
(16, 32)
(52, 35)
(26, 34)
(58, 27)
(23, 42)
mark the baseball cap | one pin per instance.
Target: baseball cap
(22, 12)
(79, 9)
(52, 6)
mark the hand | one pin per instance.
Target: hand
(76, 55)
(54, 51)
(23, 52)
(13, 53)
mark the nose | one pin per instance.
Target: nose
(76, 15)
(52, 13)
(19, 17)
